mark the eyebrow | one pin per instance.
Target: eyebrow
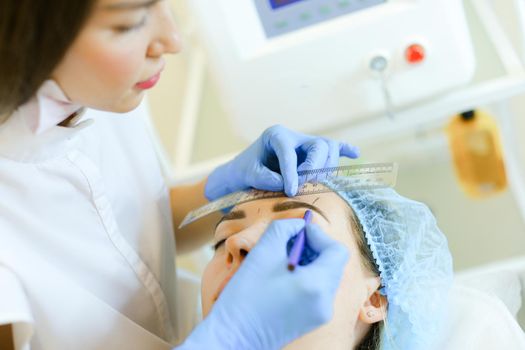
(130, 5)
(283, 206)
(296, 205)
(232, 215)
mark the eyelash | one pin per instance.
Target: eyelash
(218, 244)
(125, 29)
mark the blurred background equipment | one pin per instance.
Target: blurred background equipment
(476, 150)
(319, 64)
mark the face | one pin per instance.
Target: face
(238, 232)
(118, 54)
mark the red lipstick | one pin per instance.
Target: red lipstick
(148, 84)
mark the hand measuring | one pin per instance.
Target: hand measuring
(363, 176)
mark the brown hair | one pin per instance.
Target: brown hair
(34, 37)
(372, 339)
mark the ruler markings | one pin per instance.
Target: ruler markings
(362, 176)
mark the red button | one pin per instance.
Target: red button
(415, 54)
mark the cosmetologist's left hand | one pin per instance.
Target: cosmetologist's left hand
(272, 162)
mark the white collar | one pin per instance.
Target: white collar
(52, 107)
(32, 132)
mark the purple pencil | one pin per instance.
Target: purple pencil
(298, 245)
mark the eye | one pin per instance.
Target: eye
(218, 244)
(124, 29)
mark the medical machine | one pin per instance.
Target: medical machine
(321, 64)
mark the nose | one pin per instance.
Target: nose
(167, 38)
(237, 248)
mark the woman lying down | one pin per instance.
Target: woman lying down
(395, 285)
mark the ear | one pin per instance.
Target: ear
(374, 308)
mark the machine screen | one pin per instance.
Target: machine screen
(279, 17)
(280, 3)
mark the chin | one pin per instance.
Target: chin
(127, 104)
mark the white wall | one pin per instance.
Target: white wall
(478, 231)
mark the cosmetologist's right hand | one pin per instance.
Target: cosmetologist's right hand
(265, 306)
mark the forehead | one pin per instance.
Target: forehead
(329, 203)
(334, 208)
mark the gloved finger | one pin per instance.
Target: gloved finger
(334, 257)
(266, 180)
(316, 154)
(346, 150)
(276, 236)
(333, 154)
(280, 132)
(287, 164)
(328, 268)
(331, 252)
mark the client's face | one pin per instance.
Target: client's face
(357, 296)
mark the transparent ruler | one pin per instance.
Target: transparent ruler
(363, 176)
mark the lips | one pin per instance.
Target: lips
(148, 84)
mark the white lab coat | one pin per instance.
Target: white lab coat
(86, 243)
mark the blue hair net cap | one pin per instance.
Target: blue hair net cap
(414, 262)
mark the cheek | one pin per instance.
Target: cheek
(114, 65)
(339, 330)
(211, 278)
(349, 299)
(352, 289)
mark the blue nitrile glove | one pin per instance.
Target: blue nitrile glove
(265, 306)
(271, 163)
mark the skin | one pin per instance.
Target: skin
(358, 304)
(123, 43)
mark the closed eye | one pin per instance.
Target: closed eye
(218, 244)
(124, 28)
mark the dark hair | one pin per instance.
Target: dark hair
(34, 37)
(372, 339)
